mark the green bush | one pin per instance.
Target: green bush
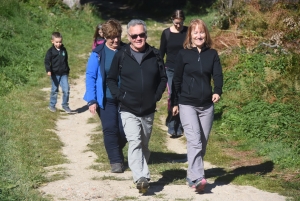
(227, 14)
(25, 37)
(26, 145)
(260, 101)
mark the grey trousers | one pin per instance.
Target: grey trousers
(138, 132)
(197, 124)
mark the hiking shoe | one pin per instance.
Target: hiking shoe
(200, 184)
(52, 109)
(67, 110)
(142, 183)
(117, 168)
(190, 183)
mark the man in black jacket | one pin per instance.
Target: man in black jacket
(142, 80)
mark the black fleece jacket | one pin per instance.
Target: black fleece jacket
(141, 85)
(192, 77)
(56, 61)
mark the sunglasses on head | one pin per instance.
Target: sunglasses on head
(141, 35)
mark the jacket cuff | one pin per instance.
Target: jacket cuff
(92, 102)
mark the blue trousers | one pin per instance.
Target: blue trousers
(113, 133)
(61, 80)
(173, 122)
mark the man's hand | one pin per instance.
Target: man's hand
(175, 110)
(49, 73)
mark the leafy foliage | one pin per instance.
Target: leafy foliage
(259, 101)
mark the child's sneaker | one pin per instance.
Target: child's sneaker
(52, 109)
(190, 183)
(68, 110)
(200, 184)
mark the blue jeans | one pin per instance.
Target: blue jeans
(173, 122)
(61, 80)
(113, 133)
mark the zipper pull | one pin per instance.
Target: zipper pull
(199, 58)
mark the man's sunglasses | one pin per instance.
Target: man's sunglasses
(141, 35)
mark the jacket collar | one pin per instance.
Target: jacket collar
(61, 47)
(147, 47)
(203, 49)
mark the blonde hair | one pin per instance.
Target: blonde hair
(187, 44)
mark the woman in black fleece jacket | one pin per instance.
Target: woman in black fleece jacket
(196, 64)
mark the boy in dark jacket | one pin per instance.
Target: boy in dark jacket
(57, 67)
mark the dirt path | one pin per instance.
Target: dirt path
(83, 183)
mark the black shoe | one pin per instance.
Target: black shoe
(117, 168)
(142, 183)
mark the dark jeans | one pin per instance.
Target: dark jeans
(113, 133)
(173, 122)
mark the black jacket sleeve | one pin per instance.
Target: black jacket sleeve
(163, 83)
(163, 44)
(177, 80)
(217, 75)
(67, 59)
(47, 60)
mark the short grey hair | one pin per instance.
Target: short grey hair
(134, 22)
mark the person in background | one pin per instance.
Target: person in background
(98, 36)
(99, 97)
(142, 82)
(171, 41)
(193, 98)
(57, 67)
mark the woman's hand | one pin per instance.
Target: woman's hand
(93, 108)
(175, 110)
(215, 98)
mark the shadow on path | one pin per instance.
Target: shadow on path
(159, 157)
(223, 177)
(82, 109)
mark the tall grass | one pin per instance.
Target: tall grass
(27, 142)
